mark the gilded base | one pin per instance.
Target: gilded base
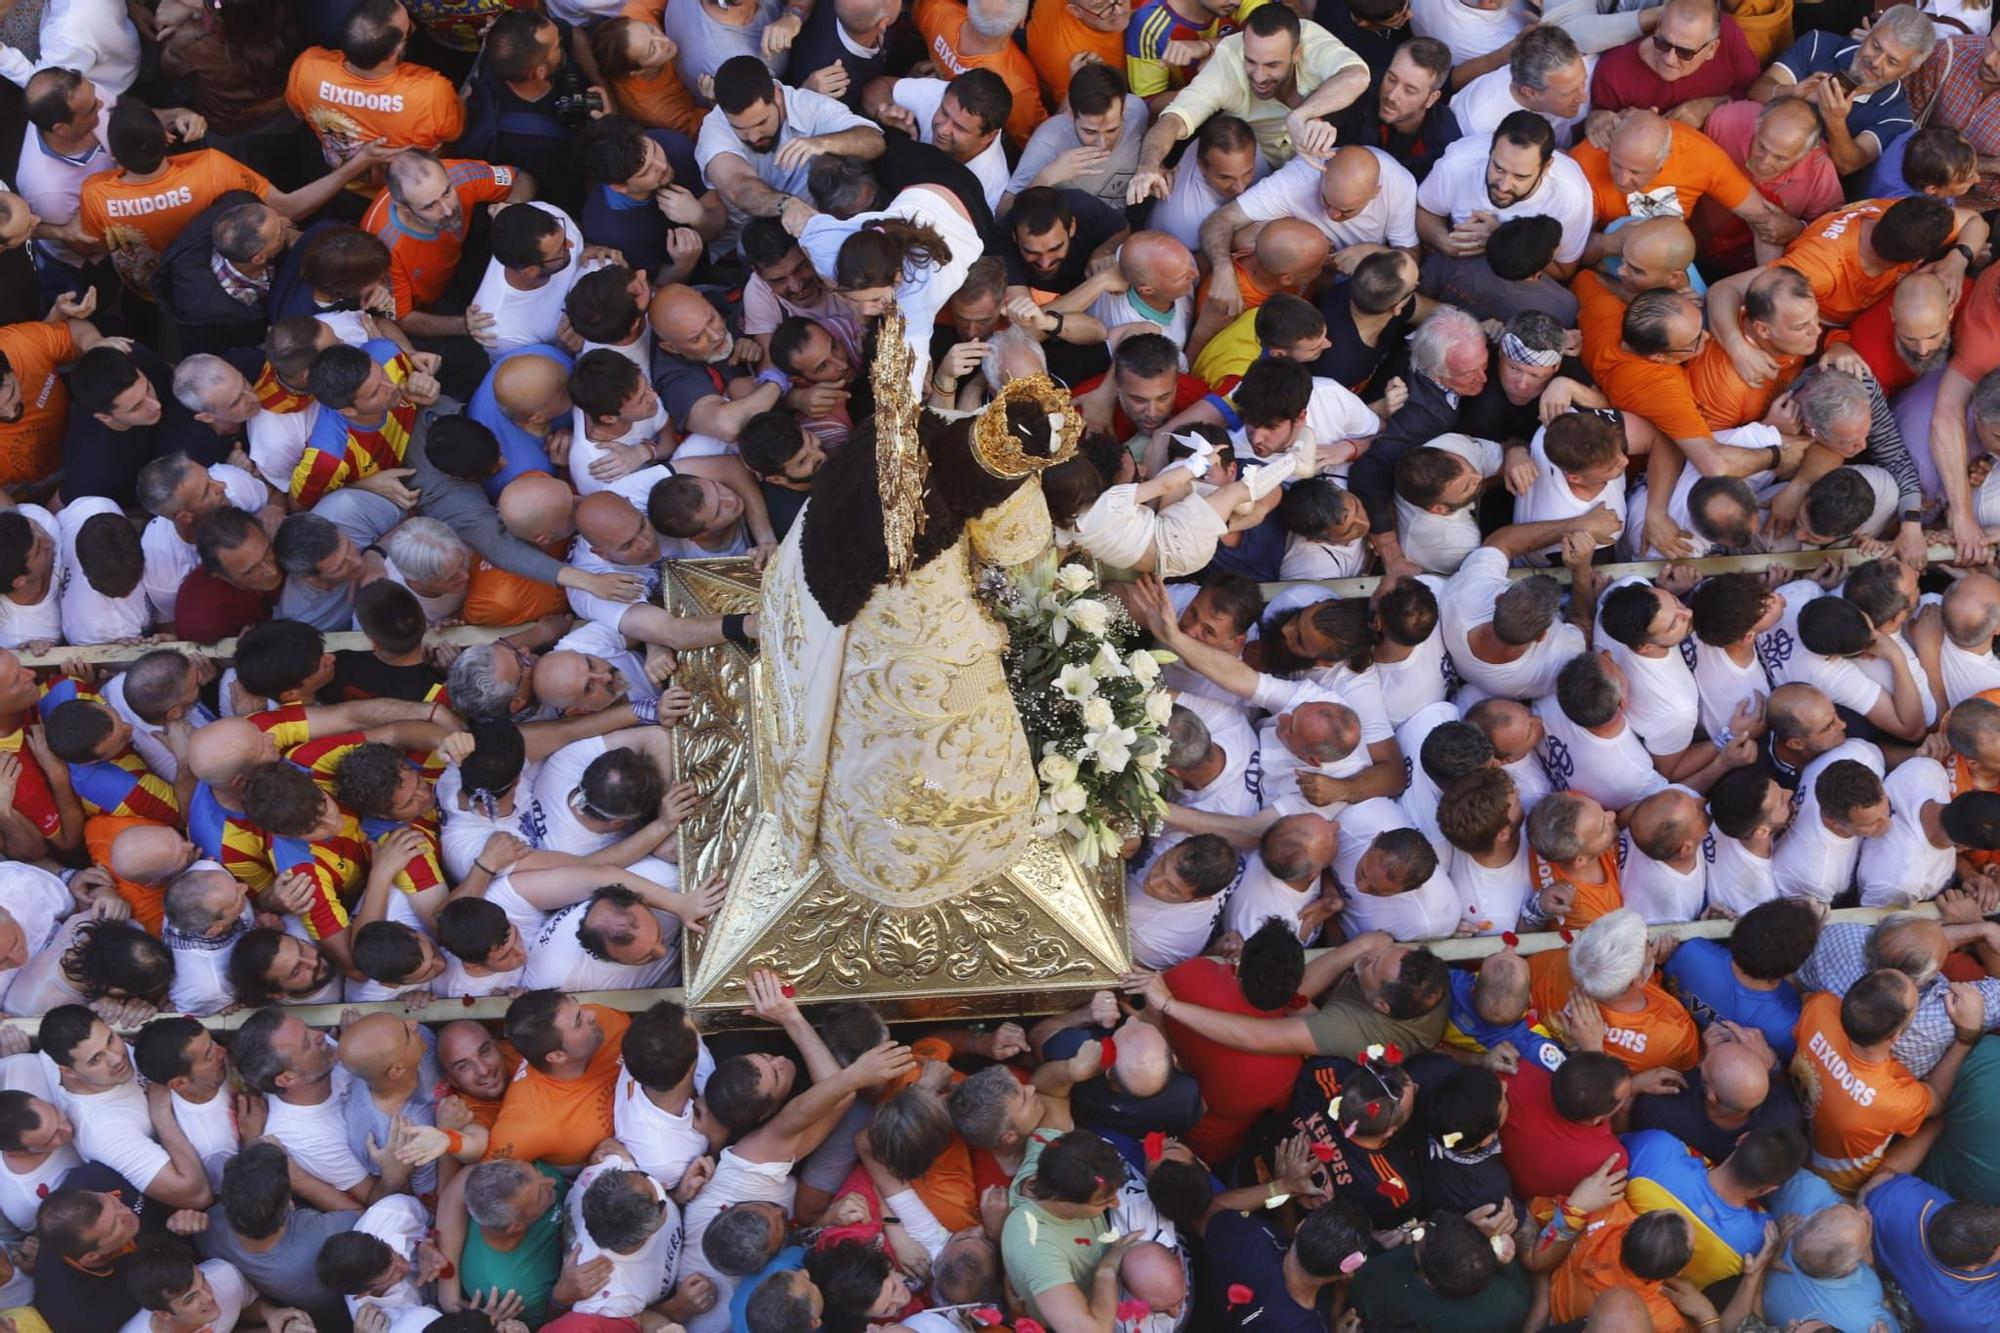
(1030, 940)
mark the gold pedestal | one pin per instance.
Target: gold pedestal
(1031, 940)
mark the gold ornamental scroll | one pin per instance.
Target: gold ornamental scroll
(1036, 938)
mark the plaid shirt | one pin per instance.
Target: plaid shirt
(240, 287)
(1840, 959)
(1946, 90)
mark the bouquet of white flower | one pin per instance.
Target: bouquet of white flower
(1090, 703)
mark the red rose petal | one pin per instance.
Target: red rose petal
(1132, 1311)
(1374, 1109)
(469, 1000)
(1239, 1294)
(41, 1191)
(788, 990)
(1156, 1146)
(1509, 938)
(1323, 1151)
(1026, 1325)
(1392, 1053)
(986, 1315)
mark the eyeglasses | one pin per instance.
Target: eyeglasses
(1664, 47)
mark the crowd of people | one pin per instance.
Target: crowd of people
(1460, 293)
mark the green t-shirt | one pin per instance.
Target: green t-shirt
(1346, 1025)
(1388, 1285)
(1063, 1252)
(530, 1269)
(1965, 1160)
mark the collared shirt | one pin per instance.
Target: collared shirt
(1222, 87)
(1883, 113)
(244, 288)
(1948, 87)
(1840, 959)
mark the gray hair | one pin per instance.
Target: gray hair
(1824, 1247)
(239, 232)
(1537, 330)
(1774, 107)
(490, 1188)
(1431, 344)
(1540, 52)
(1910, 26)
(1188, 741)
(1986, 398)
(194, 902)
(617, 1215)
(1609, 954)
(996, 18)
(160, 480)
(199, 378)
(251, 1051)
(304, 541)
(153, 681)
(426, 549)
(1889, 945)
(979, 1106)
(1011, 354)
(1826, 397)
(476, 690)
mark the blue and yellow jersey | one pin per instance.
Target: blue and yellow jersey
(1465, 1029)
(121, 785)
(1666, 1173)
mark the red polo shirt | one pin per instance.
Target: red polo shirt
(1545, 1154)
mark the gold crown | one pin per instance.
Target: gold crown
(999, 450)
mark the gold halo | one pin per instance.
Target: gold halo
(997, 448)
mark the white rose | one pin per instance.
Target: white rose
(1107, 665)
(1097, 713)
(1145, 668)
(1074, 682)
(1058, 769)
(1159, 707)
(1069, 798)
(1075, 578)
(1089, 615)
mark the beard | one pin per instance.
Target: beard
(1925, 364)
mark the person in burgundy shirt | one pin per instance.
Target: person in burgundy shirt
(1558, 1126)
(1658, 73)
(233, 586)
(1237, 1087)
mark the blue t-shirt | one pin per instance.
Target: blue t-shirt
(787, 1260)
(1532, 1044)
(519, 451)
(1885, 113)
(1699, 975)
(1666, 1173)
(1885, 179)
(1850, 1302)
(1946, 1300)
(1244, 1249)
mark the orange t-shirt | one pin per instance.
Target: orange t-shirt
(1592, 1266)
(31, 447)
(137, 222)
(1853, 1107)
(1592, 900)
(421, 262)
(1975, 334)
(543, 1120)
(1657, 392)
(1720, 394)
(412, 106)
(662, 101)
(942, 22)
(1695, 167)
(495, 596)
(1254, 295)
(148, 901)
(1056, 36)
(484, 1112)
(1661, 1034)
(1828, 254)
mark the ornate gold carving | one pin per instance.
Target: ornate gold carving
(1029, 938)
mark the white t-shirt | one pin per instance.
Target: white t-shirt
(1720, 684)
(557, 960)
(1282, 767)
(1235, 790)
(1456, 189)
(232, 1294)
(211, 1128)
(1551, 497)
(594, 640)
(525, 318)
(38, 902)
(1423, 678)
(277, 443)
(1419, 798)
(807, 113)
(1738, 879)
(87, 615)
(1164, 934)
(41, 984)
(400, 1222)
(1469, 32)
(1657, 891)
(637, 1279)
(664, 1144)
(1614, 770)
(1966, 672)
(1903, 866)
(1439, 543)
(921, 98)
(21, 1195)
(465, 831)
(1192, 200)
(1259, 895)
(146, 737)
(1492, 898)
(735, 1181)
(316, 1136)
(1788, 660)
(1316, 560)
(1489, 99)
(1632, 544)
(1661, 699)
(1467, 602)
(20, 624)
(562, 774)
(1811, 861)
(115, 1128)
(1884, 676)
(1429, 911)
(1122, 315)
(1293, 191)
(600, 609)
(1531, 780)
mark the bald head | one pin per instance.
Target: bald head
(1642, 138)
(537, 507)
(17, 220)
(1292, 250)
(1656, 247)
(603, 517)
(1921, 298)
(1143, 1061)
(224, 750)
(371, 1047)
(1619, 1310)
(1297, 847)
(1972, 611)
(1157, 265)
(1669, 824)
(530, 387)
(1736, 1080)
(1832, 1243)
(1500, 991)
(1353, 177)
(1153, 1274)
(150, 853)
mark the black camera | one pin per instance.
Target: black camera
(575, 100)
